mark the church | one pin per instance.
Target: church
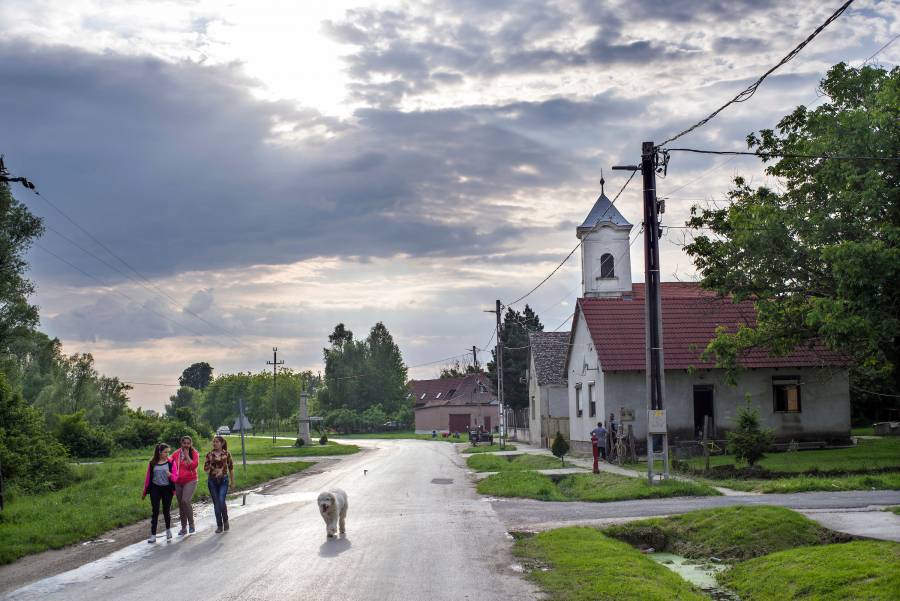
(803, 396)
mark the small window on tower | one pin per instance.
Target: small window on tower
(607, 267)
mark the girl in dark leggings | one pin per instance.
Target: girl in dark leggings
(162, 471)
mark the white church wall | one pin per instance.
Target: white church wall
(606, 240)
(824, 414)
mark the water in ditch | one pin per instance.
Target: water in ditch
(701, 574)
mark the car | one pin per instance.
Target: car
(223, 431)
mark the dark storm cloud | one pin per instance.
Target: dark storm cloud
(176, 167)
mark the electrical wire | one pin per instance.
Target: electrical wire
(750, 90)
(766, 155)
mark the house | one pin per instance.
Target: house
(548, 393)
(803, 396)
(454, 404)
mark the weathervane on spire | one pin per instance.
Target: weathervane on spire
(602, 181)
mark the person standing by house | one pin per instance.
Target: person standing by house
(161, 472)
(220, 467)
(188, 459)
(599, 433)
(611, 438)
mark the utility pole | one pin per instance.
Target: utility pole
(274, 363)
(498, 367)
(657, 437)
(475, 357)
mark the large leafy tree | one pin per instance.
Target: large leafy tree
(819, 254)
(18, 229)
(197, 376)
(514, 337)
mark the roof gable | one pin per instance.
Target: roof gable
(690, 317)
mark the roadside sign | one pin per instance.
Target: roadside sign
(656, 421)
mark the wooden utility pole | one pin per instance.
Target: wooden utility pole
(475, 357)
(274, 363)
(498, 367)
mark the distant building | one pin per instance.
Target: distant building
(454, 404)
(548, 393)
(238, 426)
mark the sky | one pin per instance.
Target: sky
(220, 178)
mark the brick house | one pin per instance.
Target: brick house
(454, 404)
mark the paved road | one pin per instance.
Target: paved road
(525, 514)
(416, 531)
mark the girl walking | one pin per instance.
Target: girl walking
(187, 459)
(220, 467)
(161, 472)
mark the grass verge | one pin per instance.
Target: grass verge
(506, 463)
(106, 496)
(855, 570)
(581, 564)
(488, 448)
(894, 509)
(400, 435)
(789, 484)
(729, 533)
(262, 448)
(603, 487)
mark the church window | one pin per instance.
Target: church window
(607, 267)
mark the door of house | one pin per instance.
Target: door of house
(703, 406)
(487, 423)
(459, 422)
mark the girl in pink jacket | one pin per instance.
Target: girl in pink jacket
(187, 459)
(162, 472)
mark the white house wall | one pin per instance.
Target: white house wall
(824, 402)
(582, 352)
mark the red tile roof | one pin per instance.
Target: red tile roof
(466, 390)
(690, 316)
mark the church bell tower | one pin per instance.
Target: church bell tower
(605, 250)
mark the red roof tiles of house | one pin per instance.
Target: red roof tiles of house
(467, 390)
(690, 317)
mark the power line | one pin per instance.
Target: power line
(564, 322)
(765, 155)
(750, 90)
(577, 246)
(149, 384)
(882, 49)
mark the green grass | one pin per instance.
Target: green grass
(581, 564)
(856, 570)
(489, 448)
(885, 481)
(401, 435)
(262, 448)
(894, 509)
(729, 533)
(862, 431)
(505, 463)
(875, 454)
(601, 487)
(105, 497)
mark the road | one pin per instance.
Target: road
(852, 512)
(416, 530)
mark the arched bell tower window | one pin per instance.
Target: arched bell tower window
(607, 269)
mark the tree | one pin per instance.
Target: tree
(560, 447)
(18, 229)
(385, 386)
(748, 441)
(197, 376)
(819, 256)
(113, 398)
(456, 371)
(183, 397)
(516, 327)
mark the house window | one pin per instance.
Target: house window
(592, 403)
(532, 407)
(437, 396)
(422, 398)
(786, 391)
(578, 410)
(607, 266)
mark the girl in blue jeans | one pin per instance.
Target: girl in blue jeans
(220, 468)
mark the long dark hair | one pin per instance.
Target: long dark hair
(159, 449)
(191, 448)
(223, 441)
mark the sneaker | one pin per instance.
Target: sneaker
(191, 530)
(226, 527)
(182, 532)
(218, 529)
(168, 534)
(152, 539)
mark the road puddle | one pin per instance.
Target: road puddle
(699, 573)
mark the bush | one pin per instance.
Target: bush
(749, 441)
(299, 442)
(139, 431)
(173, 430)
(560, 447)
(323, 440)
(33, 461)
(81, 438)
(343, 420)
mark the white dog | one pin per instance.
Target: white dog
(333, 507)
